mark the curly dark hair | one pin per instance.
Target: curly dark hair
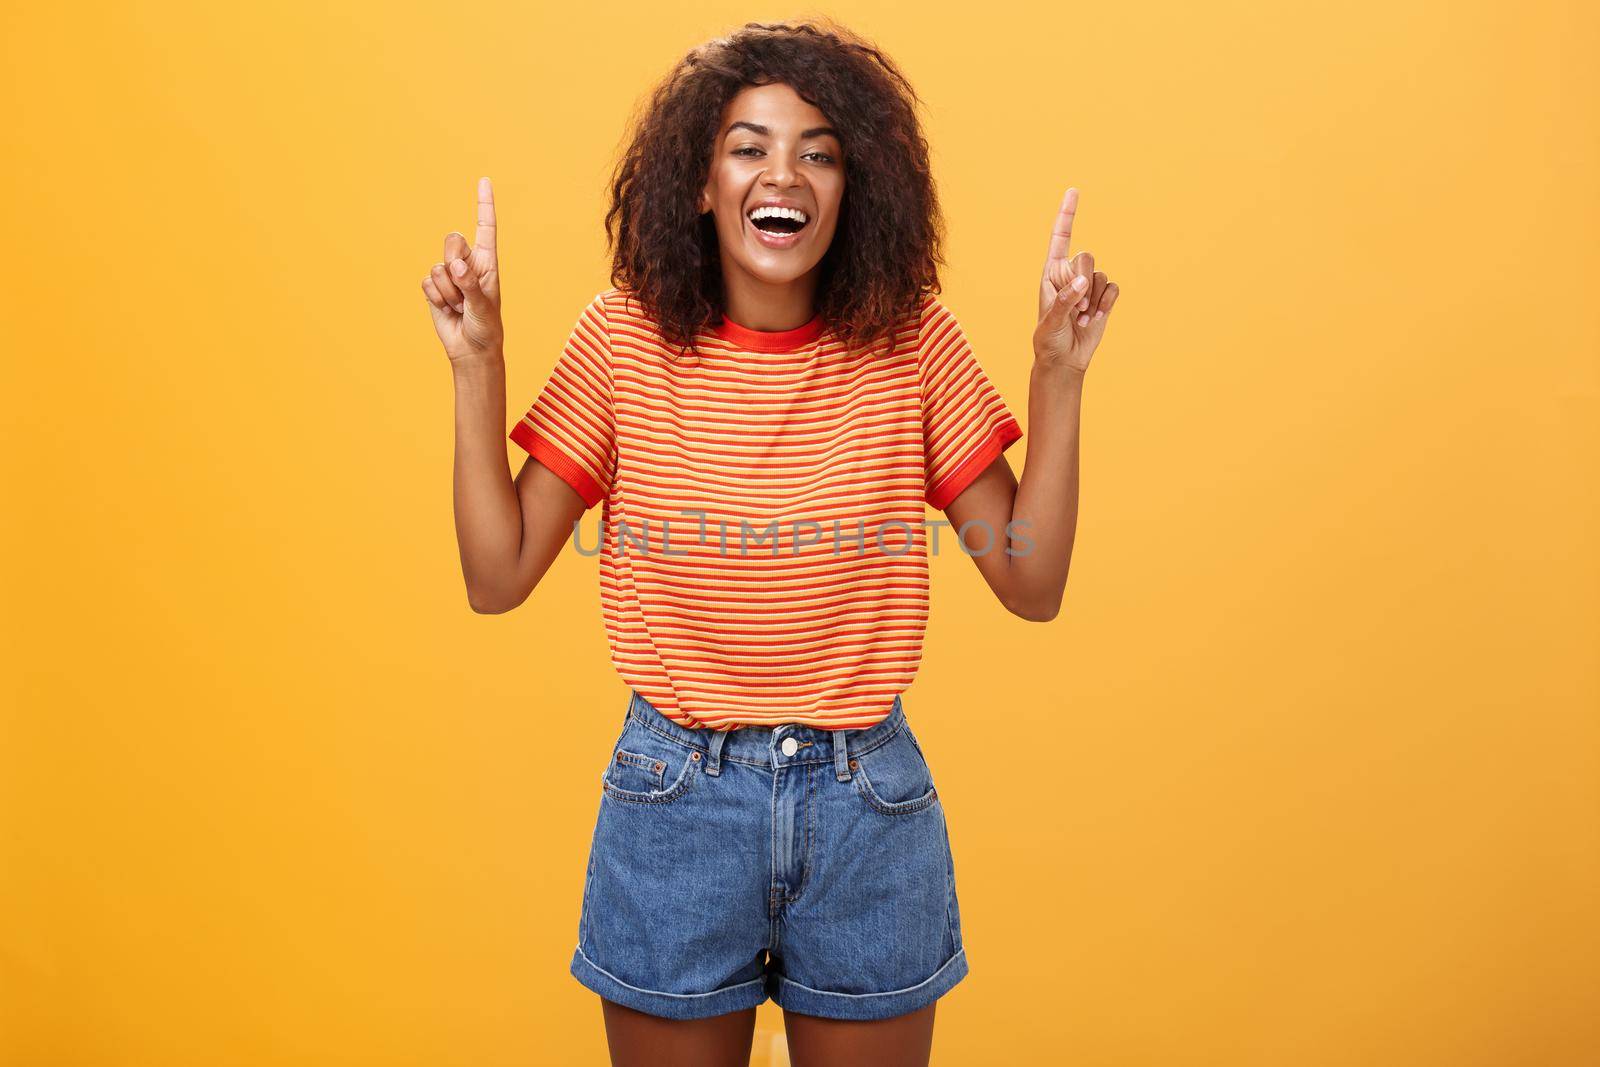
(887, 247)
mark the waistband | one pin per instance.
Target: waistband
(763, 746)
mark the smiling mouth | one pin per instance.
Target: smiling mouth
(780, 225)
(777, 232)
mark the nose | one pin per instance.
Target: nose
(781, 172)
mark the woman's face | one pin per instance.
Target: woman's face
(772, 145)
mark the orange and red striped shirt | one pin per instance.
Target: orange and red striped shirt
(764, 558)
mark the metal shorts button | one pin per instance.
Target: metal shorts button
(790, 746)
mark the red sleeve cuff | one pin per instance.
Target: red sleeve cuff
(999, 439)
(559, 462)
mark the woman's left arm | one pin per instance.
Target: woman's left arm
(1023, 547)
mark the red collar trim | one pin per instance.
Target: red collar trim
(769, 340)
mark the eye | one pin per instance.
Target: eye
(825, 157)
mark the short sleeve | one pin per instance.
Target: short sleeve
(570, 426)
(965, 423)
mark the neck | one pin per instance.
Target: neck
(769, 306)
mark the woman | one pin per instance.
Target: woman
(763, 403)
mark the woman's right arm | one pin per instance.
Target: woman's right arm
(509, 532)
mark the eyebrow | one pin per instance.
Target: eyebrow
(755, 127)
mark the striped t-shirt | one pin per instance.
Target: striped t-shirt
(764, 558)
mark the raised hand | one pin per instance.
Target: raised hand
(1074, 298)
(464, 291)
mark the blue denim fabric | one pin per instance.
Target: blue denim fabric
(725, 870)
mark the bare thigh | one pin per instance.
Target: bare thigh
(903, 1041)
(638, 1039)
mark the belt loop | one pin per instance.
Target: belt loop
(841, 761)
(714, 758)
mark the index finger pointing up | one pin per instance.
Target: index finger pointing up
(485, 235)
(1061, 234)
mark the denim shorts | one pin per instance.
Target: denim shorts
(809, 865)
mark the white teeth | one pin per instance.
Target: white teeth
(778, 212)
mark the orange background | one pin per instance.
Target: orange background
(1304, 773)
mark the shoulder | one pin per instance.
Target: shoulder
(935, 319)
(601, 316)
(937, 326)
(627, 314)
(606, 303)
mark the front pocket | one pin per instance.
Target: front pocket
(636, 772)
(894, 779)
(646, 769)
